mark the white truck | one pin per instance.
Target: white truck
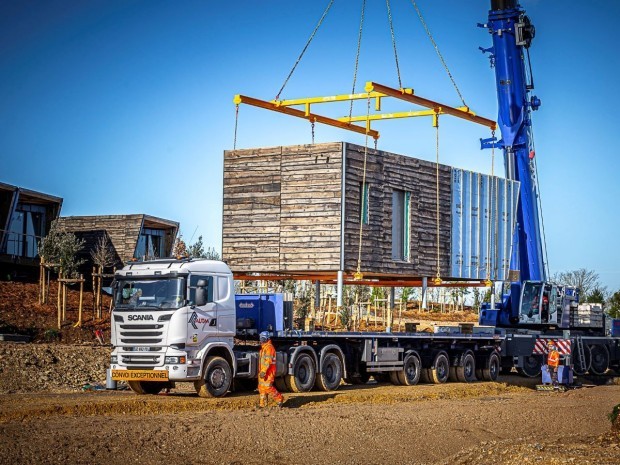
(176, 321)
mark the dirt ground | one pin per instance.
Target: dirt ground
(455, 424)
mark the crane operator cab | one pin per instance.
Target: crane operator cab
(541, 303)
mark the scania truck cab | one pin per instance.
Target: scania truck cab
(170, 318)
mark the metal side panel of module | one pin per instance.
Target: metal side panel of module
(484, 211)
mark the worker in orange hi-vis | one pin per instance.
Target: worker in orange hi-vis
(553, 361)
(267, 373)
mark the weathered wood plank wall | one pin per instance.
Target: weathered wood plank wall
(251, 209)
(386, 172)
(282, 210)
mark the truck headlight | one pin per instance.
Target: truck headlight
(175, 360)
(113, 359)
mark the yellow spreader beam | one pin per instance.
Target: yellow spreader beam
(435, 106)
(305, 115)
(373, 91)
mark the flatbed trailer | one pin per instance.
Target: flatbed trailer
(323, 358)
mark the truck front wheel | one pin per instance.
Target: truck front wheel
(146, 387)
(217, 378)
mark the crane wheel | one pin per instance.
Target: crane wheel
(578, 367)
(599, 360)
(532, 366)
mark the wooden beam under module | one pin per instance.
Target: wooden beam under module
(312, 117)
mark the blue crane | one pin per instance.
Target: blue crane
(532, 301)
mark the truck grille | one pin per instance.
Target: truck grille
(141, 334)
(141, 360)
(134, 338)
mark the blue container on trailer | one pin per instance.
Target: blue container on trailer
(615, 328)
(259, 312)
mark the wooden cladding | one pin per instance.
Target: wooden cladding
(283, 211)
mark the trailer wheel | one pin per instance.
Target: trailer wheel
(410, 374)
(425, 377)
(145, 387)
(381, 377)
(304, 374)
(217, 378)
(394, 379)
(331, 373)
(440, 370)
(532, 366)
(599, 359)
(491, 370)
(280, 384)
(579, 368)
(466, 373)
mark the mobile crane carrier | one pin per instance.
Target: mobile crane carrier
(178, 320)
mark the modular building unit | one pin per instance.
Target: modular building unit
(296, 210)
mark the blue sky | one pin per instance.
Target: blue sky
(126, 106)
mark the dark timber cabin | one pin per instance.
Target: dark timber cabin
(25, 218)
(132, 236)
(295, 212)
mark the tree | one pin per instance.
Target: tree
(60, 248)
(613, 305)
(179, 249)
(197, 250)
(585, 280)
(103, 254)
(597, 296)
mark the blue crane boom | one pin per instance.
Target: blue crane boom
(512, 34)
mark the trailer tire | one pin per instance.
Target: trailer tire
(217, 378)
(599, 359)
(425, 376)
(144, 387)
(532, 366)
(394, 379)
(577, 367)
(466, 372)
(304, 374)
(410, 374)
(381, 377)
(330, 375)
(490, 372)
(440, 370)
(280, 384)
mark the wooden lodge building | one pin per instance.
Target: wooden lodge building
(295, 212)
(132, 236)
(26, 217)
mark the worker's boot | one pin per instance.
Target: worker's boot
(263, 401)
(280, 403)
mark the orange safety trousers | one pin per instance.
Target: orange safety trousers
(267, 364)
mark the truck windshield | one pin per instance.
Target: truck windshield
(150, 293)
